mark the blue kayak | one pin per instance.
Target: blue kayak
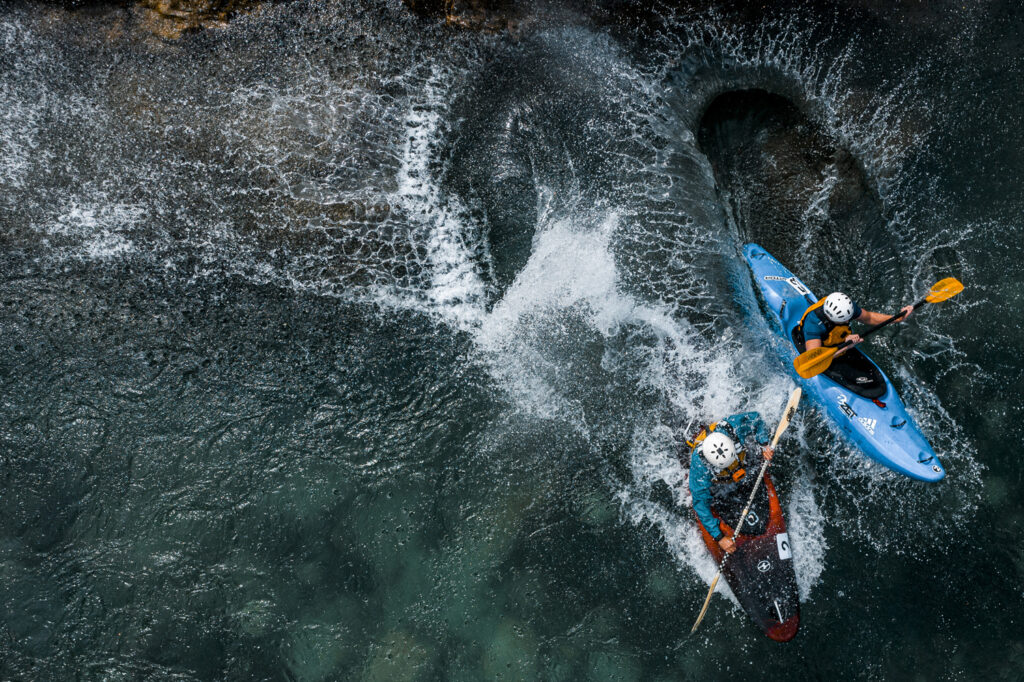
(854, 393)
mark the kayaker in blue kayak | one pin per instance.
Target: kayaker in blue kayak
(723, 454)
(826, 323)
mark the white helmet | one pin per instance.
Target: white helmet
(838, 308)
(718, 450)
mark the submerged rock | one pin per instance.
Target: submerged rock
(172, 18)
(166, 19)
(794, 188)
(479, 15)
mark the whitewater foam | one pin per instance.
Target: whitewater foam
(93, 232)
(341, 185)
(456, 288)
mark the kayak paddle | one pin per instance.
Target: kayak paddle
(787, 415)
(815, 361)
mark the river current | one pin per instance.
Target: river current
(342, 345)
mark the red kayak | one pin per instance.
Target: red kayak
(760, 572)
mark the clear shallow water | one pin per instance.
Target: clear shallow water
(359, 349)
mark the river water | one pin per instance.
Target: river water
(339, 345)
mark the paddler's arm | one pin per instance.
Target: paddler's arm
(747, 424)
(812, 343)
(700, 491)
(763, 437)
(761, 433)
(873, 318)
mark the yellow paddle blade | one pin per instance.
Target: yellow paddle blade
(943, 289)
(813, 362)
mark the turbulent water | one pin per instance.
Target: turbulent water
(339, 345)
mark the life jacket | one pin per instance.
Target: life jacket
(735, 471)
(837, 333)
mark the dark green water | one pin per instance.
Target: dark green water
(339, 346)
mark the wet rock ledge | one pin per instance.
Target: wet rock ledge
(172, 18)
(480, 15)
(167, 19)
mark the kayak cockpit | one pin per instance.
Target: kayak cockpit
(852, 370)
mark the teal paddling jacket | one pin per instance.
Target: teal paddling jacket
(746, 425)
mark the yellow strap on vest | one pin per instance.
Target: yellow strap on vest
(701, 435)
(836, 335)
(733, 472)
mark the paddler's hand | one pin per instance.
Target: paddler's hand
(727, 544)
(905, 313)
(767, 452)
(853, 340)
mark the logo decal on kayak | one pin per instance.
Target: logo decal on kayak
(847, 410)
(785, 551)
(764, 565)
(868, 424)
(792, 281)
(752, 518)
(799, 286)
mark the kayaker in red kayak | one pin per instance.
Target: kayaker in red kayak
(723, 454)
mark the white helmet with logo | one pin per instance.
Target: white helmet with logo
(718, 450)
(838, 308)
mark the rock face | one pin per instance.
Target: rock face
(794, 189)
(171, 18)
(480, 15)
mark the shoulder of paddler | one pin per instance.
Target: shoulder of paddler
(735, 471)
(701, 434)
(836, 333)
(704, 431)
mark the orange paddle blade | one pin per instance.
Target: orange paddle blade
(813, 362)
(943, 289)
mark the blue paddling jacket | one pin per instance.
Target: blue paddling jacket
(748, 427)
